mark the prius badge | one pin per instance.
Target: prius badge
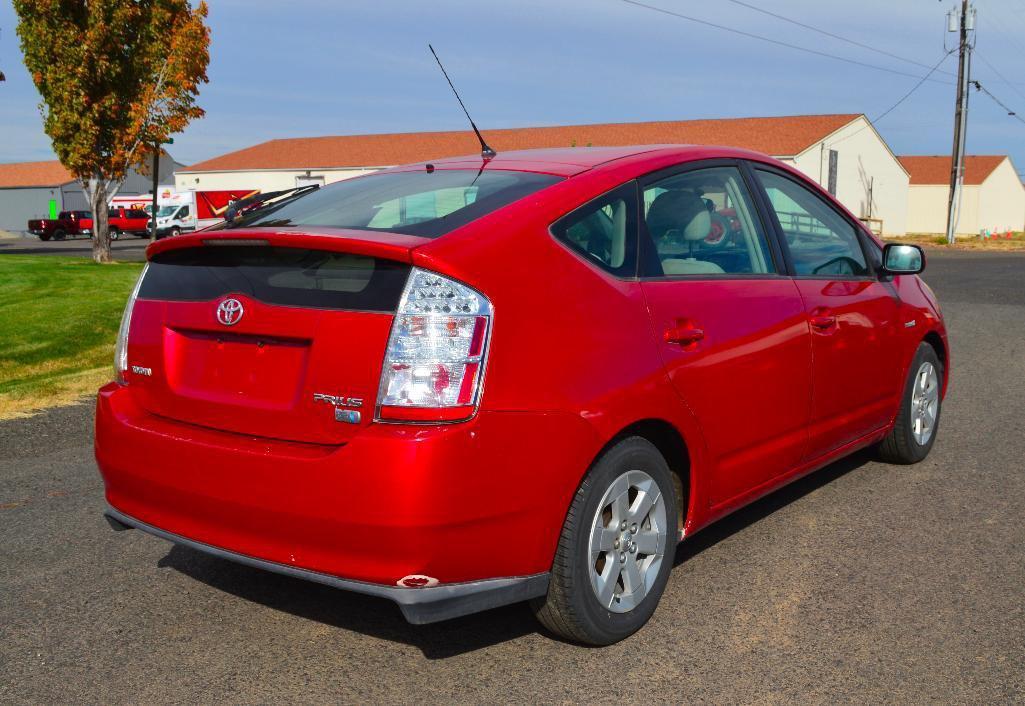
(229, 312)
(348, 416)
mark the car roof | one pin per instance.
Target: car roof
(567, 161)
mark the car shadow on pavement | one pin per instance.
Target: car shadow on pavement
(376, 617)
(379, 618)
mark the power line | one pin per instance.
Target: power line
(1011, 113)
(777, 42)
(999, 30)
(999, 75)
(903, 98)
(833, 35)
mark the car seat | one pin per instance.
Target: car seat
(676, 214)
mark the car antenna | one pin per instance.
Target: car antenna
(486, 152)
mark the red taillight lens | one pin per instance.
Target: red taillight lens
(434, 364)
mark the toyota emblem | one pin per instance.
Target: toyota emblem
(229, 312)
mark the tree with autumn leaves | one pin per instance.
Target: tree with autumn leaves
(116, 77)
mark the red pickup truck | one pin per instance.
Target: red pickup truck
(122, 220)
(66, 223)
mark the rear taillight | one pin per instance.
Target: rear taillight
(121, 348)
(434, 365)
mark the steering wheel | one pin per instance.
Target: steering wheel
(844, 266)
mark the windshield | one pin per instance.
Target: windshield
(427, 204)
(166, 211)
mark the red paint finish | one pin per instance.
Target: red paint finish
(857, 370)
(762, 378)
(758, 364)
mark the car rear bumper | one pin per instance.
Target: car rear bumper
(463, 504)
(418, 605)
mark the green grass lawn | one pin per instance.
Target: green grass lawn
(58, 322)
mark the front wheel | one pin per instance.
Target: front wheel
(616, 549)
(115, 234)
(914, 430)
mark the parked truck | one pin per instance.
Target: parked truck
(66, 223)
(121, 220)
(186, 211)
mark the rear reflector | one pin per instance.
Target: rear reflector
(417, 581)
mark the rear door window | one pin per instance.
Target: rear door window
(298, 277)
(702, 222)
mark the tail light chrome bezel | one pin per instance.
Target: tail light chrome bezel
(121, 347)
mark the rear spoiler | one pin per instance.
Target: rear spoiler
(390, 246)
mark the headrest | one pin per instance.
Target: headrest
(680, 211)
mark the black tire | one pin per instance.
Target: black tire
(571, 609)
(59, 234)
(44, 236)
(115, 234)
(175, 232)
(900, 445)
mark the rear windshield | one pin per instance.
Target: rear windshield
(427, 204)
(315, 279)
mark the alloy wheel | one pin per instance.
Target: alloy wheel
(925, 403)
(628, 541)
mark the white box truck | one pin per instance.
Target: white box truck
(186, 211)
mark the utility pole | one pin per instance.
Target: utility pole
(156, 180)
(964, 26)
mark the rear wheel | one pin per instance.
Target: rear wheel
(616, 550)
(59, 234)
(44, 236)
(914, 430)
(115, 234)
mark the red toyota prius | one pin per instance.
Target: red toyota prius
(465, 384)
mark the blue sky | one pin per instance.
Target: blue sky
(331, 67)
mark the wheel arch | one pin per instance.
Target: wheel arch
(934, 339)
(673, 446)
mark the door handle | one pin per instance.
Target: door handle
(683, 334)
(822, 320)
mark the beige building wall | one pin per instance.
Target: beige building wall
(863, 161)
(1001, 201)
(927, 208)
(262, 179)
(997, 205)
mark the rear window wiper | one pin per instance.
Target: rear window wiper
(239, 212)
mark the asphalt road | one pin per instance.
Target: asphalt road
(863, 582)
(128, 247)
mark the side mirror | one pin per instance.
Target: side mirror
(899, 259)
